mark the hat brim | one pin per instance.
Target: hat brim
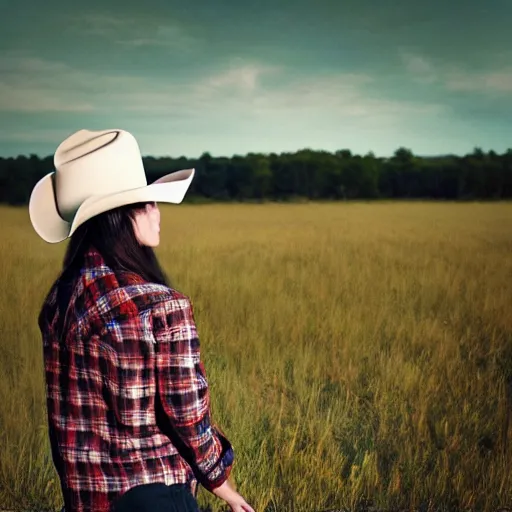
(50, 226)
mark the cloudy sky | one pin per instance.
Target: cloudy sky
(232, 76)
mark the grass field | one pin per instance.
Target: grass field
(354, 351)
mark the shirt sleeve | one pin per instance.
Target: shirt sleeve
(183, 399)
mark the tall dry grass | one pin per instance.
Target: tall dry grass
(355, 352)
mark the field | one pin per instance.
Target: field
(357, 353)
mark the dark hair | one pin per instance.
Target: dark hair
(111, 234)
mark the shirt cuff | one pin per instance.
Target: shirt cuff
(221, 470)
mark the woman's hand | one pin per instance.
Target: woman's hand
(232, 498)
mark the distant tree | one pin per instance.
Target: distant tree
(262, 177)
(306, 173)
(345, 154)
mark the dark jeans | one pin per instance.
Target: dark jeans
(157, 498)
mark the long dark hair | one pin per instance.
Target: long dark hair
(111, 234)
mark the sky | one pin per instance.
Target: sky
(232, 77)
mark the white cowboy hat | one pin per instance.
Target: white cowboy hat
(96, 171)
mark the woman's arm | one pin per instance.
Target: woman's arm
(183, 403)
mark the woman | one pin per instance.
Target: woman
(127, 396)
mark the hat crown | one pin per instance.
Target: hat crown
(94, 163)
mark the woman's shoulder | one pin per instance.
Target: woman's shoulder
(133, 282)
(144, 295)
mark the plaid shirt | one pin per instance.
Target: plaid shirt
(127, 395)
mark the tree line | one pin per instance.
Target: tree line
(307, 174)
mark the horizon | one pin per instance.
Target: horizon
(227, 80)
(220, 156)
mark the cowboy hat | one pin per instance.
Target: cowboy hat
(96, 171)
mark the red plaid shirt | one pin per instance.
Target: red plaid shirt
(127, 395)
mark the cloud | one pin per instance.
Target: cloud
(253, 93)
(456, 79)
(33, 136)
(240, 76)
(101, 24)
(336, 98)
(497, 81)
(143, 31)
(27, 99)
(241, 93)
(166, 36)
(31, 84)
(419, 68)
